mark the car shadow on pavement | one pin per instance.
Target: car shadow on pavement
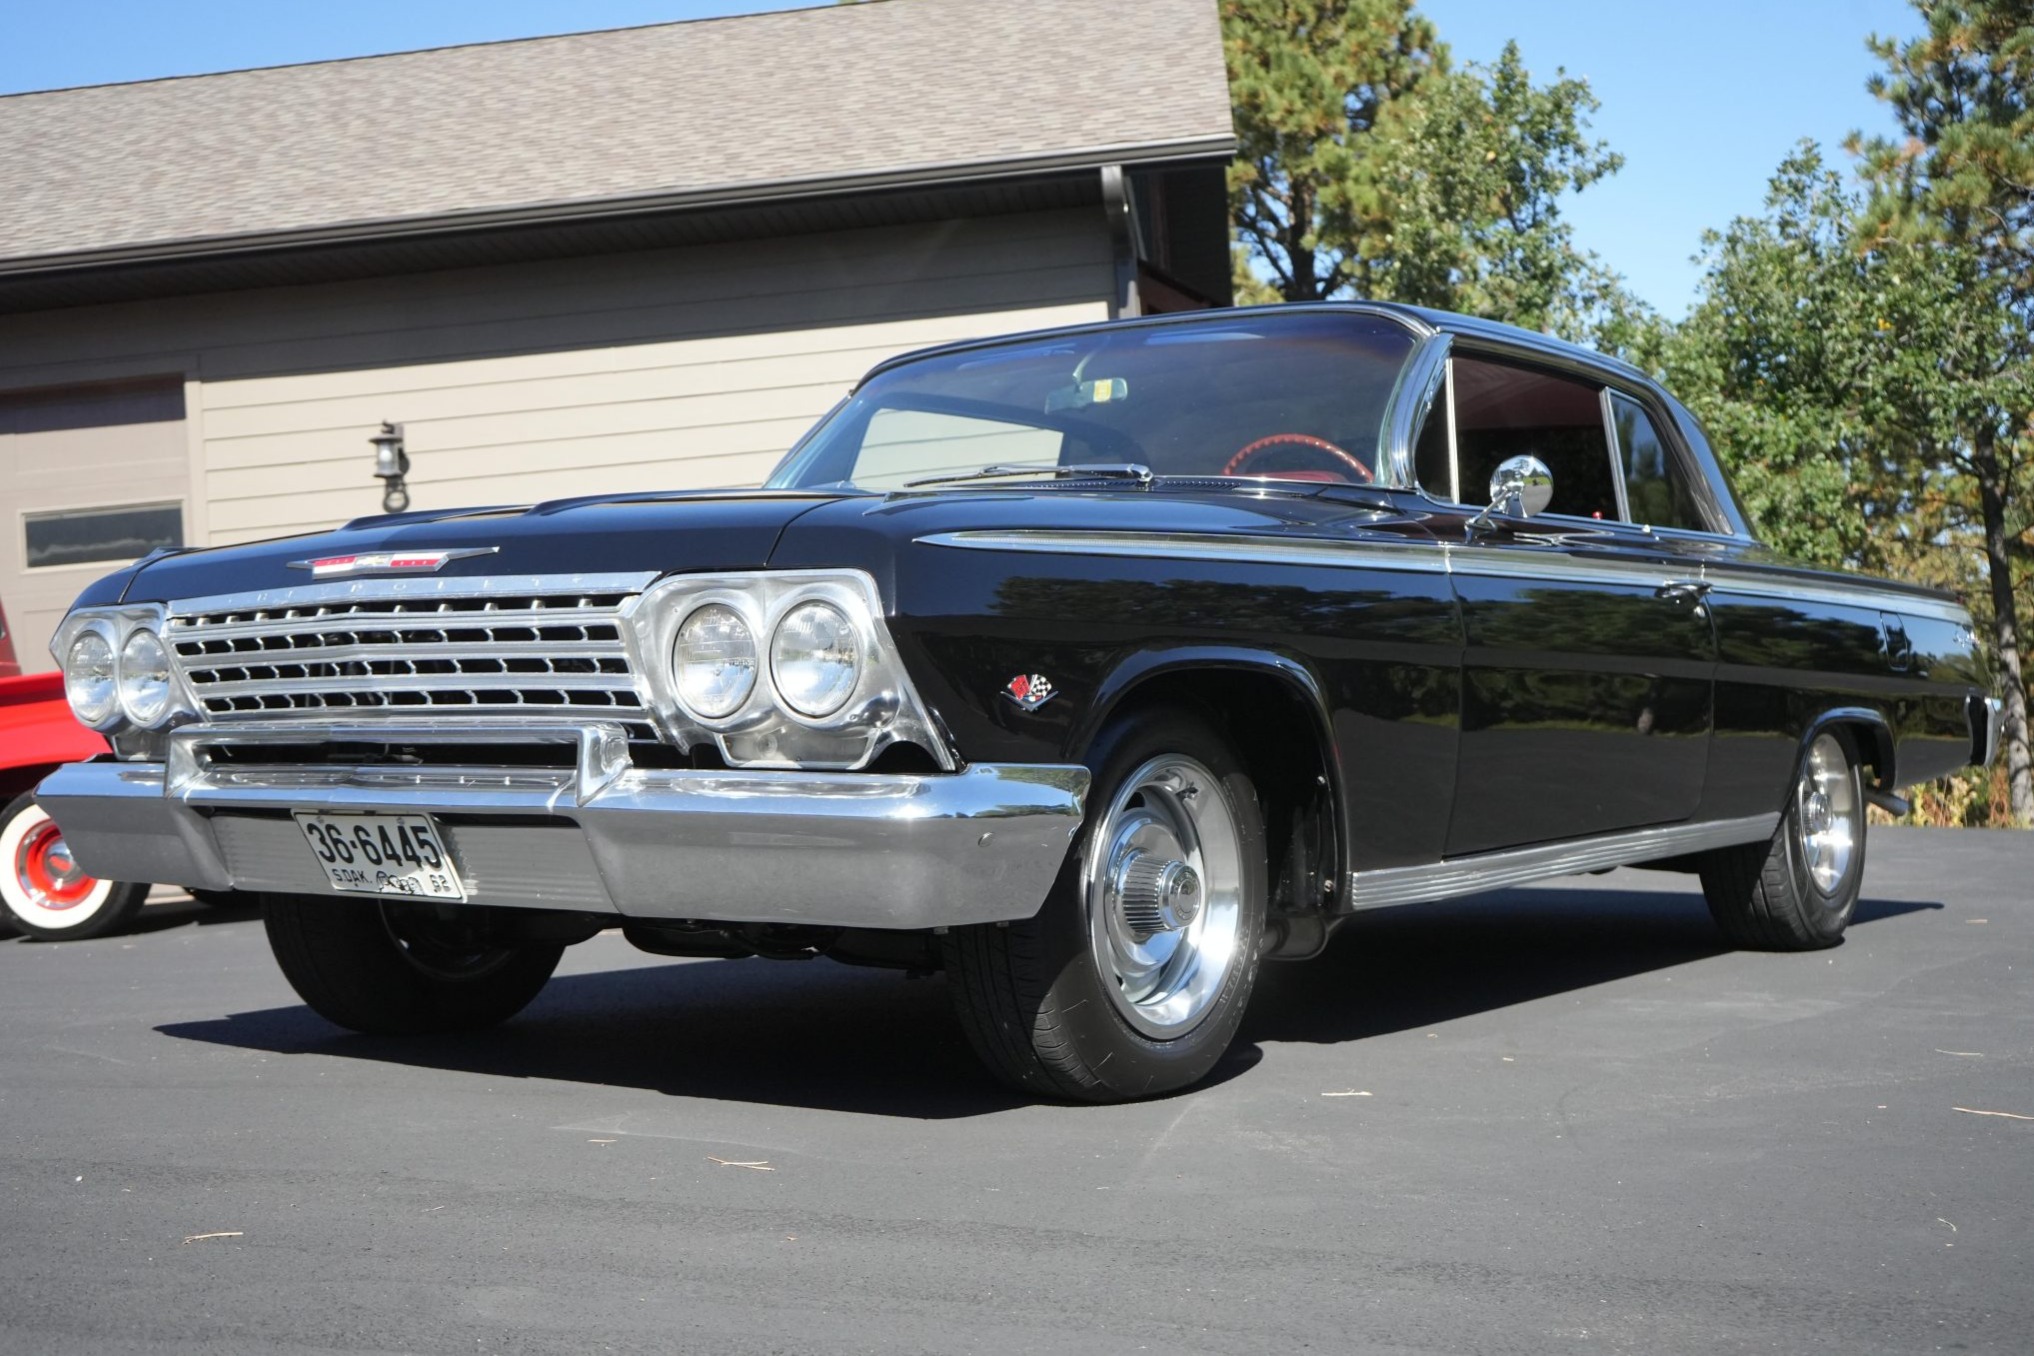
(1418, 965)
(790, 1033)
(833, 1037)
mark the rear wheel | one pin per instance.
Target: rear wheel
(1132, 979)
(47, 894)
(402, 969)
(1797, 892)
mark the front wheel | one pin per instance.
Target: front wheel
(47, 894)
(1797, 892)
(1133, 977)
(401, 969)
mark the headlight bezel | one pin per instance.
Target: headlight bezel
(765, 731)
(117, 626)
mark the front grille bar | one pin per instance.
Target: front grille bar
(529, 647)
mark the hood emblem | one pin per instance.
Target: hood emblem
(1030, 690)
(387, 562)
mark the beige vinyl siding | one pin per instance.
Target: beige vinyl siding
(75, 462)
(661, 369)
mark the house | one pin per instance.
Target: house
(566, 265)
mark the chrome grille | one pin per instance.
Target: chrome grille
(480, 650)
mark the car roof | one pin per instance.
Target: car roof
(1422, 319)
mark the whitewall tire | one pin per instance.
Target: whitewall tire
(47, 894)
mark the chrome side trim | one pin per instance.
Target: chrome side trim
(1748, 583)
(1496, 870)
(1505, 562)
(1407, 557)
(1200, 546)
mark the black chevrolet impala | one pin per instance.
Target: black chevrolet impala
(1094, 667)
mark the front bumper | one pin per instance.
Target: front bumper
(845, 849)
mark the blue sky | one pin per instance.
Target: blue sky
(1702, 99)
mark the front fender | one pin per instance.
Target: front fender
(1150, 664)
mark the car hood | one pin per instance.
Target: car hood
(606, 535)
(690, 532)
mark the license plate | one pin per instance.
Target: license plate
(375, 854)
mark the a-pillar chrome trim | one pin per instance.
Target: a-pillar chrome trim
(1519, 866)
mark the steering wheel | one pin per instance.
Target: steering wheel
(1250, 453)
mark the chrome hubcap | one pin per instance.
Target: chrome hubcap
(1164, 896)
(1826, 810)
(1156, 895)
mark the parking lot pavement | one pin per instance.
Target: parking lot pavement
(1559, 1118)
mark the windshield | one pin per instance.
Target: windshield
(1295, 397)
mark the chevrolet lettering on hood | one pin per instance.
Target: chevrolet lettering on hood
(387, 562)
(1093, 667)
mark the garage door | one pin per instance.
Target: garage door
(90, 478)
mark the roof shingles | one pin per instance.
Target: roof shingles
(712, 106)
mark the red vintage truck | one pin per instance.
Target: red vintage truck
(45, 892)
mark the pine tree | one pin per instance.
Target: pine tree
(1369, 166)
(1310, 81)
(1961, 184)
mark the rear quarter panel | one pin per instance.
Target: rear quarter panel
(1795, 643)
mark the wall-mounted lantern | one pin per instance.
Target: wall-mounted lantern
(391, 464)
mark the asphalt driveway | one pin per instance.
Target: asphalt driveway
(1555, 1119)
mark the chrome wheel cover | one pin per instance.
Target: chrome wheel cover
(1164, 892)
(1827, 815)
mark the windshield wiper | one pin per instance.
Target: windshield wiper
(1108, 470)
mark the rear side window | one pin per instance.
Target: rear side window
(1504, 411)
(1656, 487)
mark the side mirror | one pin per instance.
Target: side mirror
(1521, 486)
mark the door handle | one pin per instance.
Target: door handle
(1674, 590)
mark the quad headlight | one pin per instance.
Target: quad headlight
(117, 672)
(815, 659)
(144, 678)
(90, 681)
(713, 661)
(777, 668)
